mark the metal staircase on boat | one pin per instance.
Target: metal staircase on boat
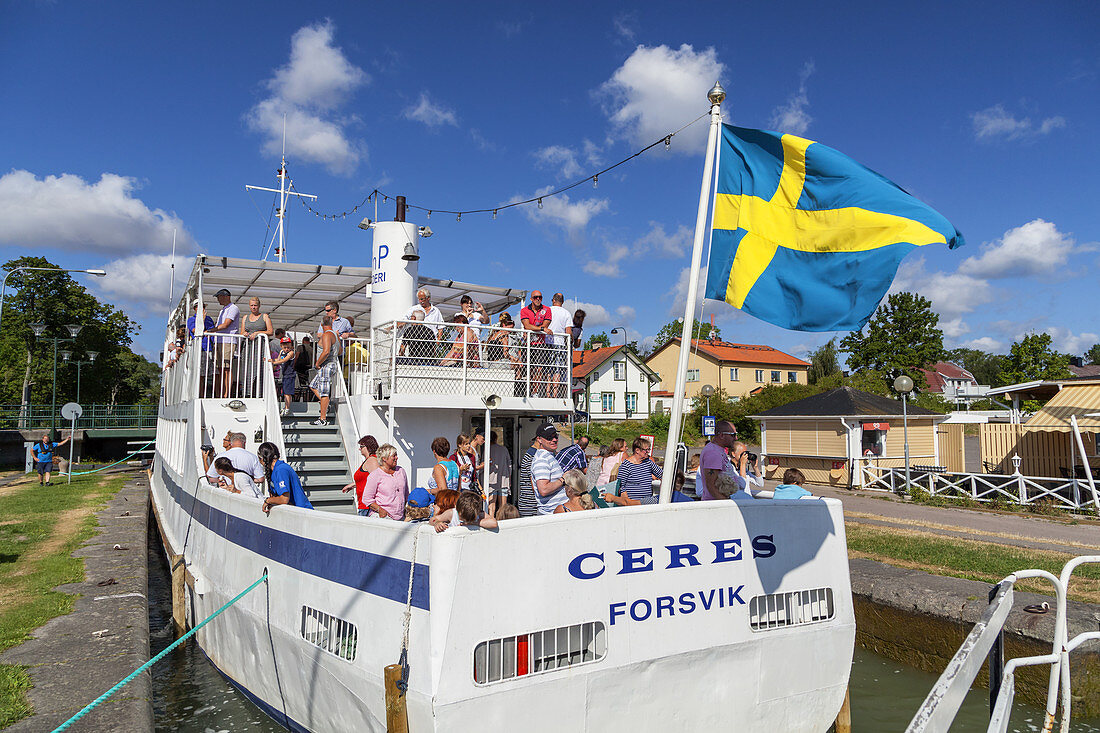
(316, 453)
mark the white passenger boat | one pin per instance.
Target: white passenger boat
(663, 617)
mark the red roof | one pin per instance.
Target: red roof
(584, 362)
(725, 351)
(661, 393)
(937, 374)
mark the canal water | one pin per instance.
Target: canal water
(191, 697)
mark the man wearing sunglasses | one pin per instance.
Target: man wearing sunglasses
(341, 326)
(537, 317)
(546, 473)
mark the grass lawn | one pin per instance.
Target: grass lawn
(40, 527)
(984, 561)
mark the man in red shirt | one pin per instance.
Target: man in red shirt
(536, 317)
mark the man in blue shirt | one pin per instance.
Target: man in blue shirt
(43, 457)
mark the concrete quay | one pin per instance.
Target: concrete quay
(74, 659)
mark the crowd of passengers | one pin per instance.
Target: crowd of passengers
(552, 481)
(426, 339)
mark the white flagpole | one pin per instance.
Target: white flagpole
(715, 95)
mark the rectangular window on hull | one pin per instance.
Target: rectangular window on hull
(334, 635)
(795, 608)
(498, 660)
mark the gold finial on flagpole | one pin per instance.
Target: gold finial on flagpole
(716, 94)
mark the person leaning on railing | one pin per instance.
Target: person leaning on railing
(283, 483)
(417, 342)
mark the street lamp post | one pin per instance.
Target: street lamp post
(4, 283)
(707, 391)
(904, 385)
(39, 329)
(91, 358)
(622, 330)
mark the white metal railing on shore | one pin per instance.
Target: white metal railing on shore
(413, 357)
(1064, 493)
(224, 366)
(986, 641)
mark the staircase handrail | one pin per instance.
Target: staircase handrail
(274, 431)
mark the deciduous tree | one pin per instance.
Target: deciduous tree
(902, 337)
(1031, 358)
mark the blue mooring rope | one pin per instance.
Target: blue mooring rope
(139, 450)
(92, 705)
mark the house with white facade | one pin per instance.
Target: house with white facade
(954, 383)
(612, 383)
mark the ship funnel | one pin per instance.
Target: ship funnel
(400, 215)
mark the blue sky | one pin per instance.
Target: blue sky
(122, 121)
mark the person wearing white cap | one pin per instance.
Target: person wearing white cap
(229, 321)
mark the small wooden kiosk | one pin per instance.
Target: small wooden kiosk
(826, 436)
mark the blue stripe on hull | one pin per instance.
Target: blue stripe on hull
(379, 575)
(270, 711)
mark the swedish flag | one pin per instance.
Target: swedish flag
(805, 237)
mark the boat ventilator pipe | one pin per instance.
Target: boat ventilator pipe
(95, 703)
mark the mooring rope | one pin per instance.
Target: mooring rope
(403, 683)
(92, 705)
(97, 470)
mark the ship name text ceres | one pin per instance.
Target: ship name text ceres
(591, 565)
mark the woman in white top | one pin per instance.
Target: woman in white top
(234, 481)
(614, 458)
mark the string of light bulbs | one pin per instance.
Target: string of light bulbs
(594, 178)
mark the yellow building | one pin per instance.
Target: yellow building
(740, 369)
(827, 436)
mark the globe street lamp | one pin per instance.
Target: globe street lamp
(904, 385)
(39, 329)
(708, 392)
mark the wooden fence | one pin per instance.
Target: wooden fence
(1044, 451)
(951, 446)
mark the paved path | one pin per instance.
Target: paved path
(1020, 530)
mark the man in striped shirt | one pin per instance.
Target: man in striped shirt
(573, 456)
(546, 473)
(528, 504)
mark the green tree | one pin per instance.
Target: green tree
(597, 339)
(901, 337)
(824, 361)
(984, 366)
(1092, 356)
(674, 329)
(26, 362)
(1033, 358)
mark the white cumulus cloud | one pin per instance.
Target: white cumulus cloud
(997, 123)
(1064, 340)
(625, 312)
(67, 212)
(309, 90)
(570, 162)
(951, 294)
(561, 211)
(954, 328)
(792, 116)
(659, 242)
(430, 113)
(985, 343)
(595, 315)
(1034, 248)
(657, 90)
(608, 266)
(145, 279)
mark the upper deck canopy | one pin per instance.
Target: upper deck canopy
(294, 295)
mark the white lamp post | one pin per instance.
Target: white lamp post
(904, 385)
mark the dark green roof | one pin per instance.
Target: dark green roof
(843, 402)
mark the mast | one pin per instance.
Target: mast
(284, 193)
(715, 96)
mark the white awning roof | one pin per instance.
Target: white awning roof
(294, 295)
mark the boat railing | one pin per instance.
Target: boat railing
(986, 642)
(349, 425)
(273, 427)
(454, 359)
(357, 365)
(232, 366)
